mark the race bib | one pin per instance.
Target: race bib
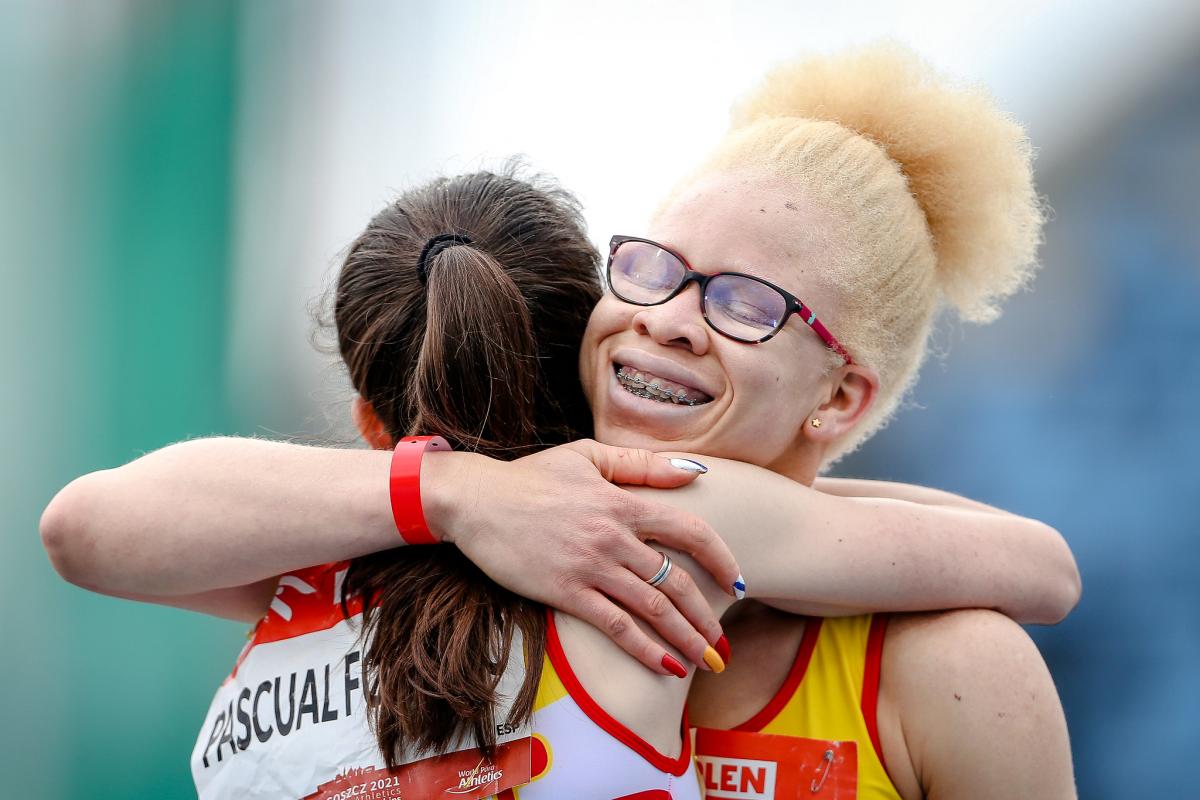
(736, 765)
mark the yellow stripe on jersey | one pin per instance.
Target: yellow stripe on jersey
(829, 694)
(827, 704)
(550, 687)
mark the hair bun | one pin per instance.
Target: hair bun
(968, 165)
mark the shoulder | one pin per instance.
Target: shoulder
(964, 695)
(959, 644)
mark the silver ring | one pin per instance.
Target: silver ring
(664, 571)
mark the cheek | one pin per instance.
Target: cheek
(758, 377)
(609, 315)
(770, 392)
(606, 319)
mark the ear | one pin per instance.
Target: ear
(369, 426)
(851, 397)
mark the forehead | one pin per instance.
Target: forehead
(744, 222)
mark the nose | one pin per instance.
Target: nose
(678, 322)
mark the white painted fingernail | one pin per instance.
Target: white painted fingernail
(739, 588)
(688, 465)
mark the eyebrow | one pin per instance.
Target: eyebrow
(750, 269)
(737, 265)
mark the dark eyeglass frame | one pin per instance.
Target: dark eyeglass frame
(794, 305)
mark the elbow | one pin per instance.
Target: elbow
(68, 542)
(1071, 591)
(1067, 583)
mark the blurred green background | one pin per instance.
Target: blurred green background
(117, 159)
(177, 178)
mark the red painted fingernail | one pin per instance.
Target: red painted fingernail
(722, 648)
(673, 666)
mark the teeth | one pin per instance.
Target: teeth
(635, 384)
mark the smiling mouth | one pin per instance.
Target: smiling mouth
(640, 383)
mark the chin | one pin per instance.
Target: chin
(619, 436)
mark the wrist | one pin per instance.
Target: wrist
(449, 491)
(404, 486)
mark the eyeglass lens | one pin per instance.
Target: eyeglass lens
(735, 305)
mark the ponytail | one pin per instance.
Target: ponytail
(477, 342)
(440, 631)
(440, 635)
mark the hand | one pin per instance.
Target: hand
(552, 527)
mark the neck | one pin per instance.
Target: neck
(799, 463)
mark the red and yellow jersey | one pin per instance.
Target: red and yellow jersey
(290, 722)
(817, 736)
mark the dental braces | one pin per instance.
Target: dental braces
(639, 388)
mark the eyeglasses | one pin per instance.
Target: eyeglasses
(739, 306)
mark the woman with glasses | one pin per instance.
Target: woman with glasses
(793, 205)
(865, 188)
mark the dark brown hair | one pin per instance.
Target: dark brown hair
(483, 352)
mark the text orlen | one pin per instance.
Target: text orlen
(281, 705)
(737, 778)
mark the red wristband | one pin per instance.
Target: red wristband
(405, 486)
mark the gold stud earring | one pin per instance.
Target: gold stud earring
(816, 423)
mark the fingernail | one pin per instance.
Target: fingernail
(722, 648)
(689, 465)
(714, 661)
(673, 666)
(739, 588)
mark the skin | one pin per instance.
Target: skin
(964, 696)
(765, 393)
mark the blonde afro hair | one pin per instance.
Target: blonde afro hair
(967, 164)
(929, 183)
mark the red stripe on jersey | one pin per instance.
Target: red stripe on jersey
(870, 689)
(812, 629)
(674, 766)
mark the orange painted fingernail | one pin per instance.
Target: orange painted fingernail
(673, 666)
(722, 648)
(714, 661)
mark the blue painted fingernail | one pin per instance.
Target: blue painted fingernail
(689, 465)
(739, 588)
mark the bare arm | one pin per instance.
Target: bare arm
(207, 524)
(217, 513)
(968, 709)
(811, 552)
(858, 487)
(225, 514)
(237, 603)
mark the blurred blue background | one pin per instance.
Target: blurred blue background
(176, 180)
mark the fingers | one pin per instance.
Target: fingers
(638, 467)
(658, 609)
(599, 611)
(682, 593)
(689, 534)
(667, 473)
(689, 626)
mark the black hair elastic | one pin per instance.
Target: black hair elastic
(436, 245)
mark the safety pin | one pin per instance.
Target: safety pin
(827, 762)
